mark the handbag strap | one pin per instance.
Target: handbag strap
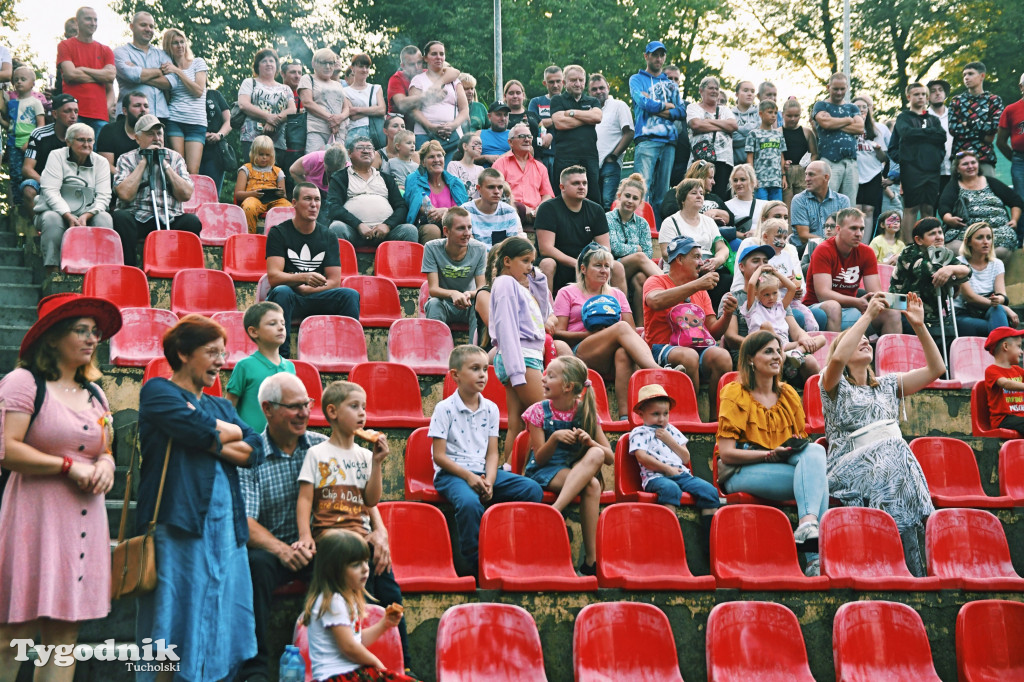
(128, 491)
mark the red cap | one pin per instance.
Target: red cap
(1000, 333)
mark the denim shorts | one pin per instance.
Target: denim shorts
(34, 184)
(499, 366)
(661, 352)
(191, 132)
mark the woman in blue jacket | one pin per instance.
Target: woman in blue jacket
(431, 191)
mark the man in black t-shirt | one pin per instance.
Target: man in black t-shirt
(41, 142)
(118, 138)
(565, 225)
(218, 125)
(304, 266)
(575, 116)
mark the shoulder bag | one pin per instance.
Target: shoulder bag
(133, 561)
(705, 149)
(237, 115)
(376, 124)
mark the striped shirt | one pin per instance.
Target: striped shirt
(505, 218)
(186, 107)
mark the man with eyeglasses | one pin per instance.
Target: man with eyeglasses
(271, 492)
(527, 176)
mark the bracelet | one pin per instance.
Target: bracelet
(66, 466)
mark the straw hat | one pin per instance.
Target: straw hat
(652, 392)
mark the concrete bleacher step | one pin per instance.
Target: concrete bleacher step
(10, 255)
(22, 294)
(8, 240)
(15, 274)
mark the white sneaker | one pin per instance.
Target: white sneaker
(808, 530)
(813, 569)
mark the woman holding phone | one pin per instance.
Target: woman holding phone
(762, 443)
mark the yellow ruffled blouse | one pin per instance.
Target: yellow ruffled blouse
(743, 418)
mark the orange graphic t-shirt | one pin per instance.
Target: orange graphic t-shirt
(339, 478)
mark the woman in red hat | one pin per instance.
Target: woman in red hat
(57, 431)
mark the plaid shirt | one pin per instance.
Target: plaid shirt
(142, 206)
(271, 489)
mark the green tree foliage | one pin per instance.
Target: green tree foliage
(805, 35)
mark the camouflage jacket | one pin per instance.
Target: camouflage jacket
(914, 269)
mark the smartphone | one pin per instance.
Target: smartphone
(796, 445)
(896, 301)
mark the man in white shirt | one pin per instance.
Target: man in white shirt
(614, 135)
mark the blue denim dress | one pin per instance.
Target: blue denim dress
(563, 455)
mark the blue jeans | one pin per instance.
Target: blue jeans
(508, 487)
(212, 167)
(1017, 173)
(350, 233)
(610, 174)
(295, 306)
(670, 489)
(653, 159)
(768, 193)
(849, 316)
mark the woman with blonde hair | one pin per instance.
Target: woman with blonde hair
(630, 238)
(983, 296)
(186, 124)
(477, 109)
(325, 102)
(746, 210)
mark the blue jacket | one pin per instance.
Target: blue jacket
(417, 186)
(650, 94)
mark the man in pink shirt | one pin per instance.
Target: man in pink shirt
(527, 176)
(88, 71)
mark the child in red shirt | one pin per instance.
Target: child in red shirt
(1004, 380)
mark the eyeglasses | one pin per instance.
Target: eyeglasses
(295, 407)
(213, 353)
(86, 332)
(85, 140)
(522, 137)
(363, 148)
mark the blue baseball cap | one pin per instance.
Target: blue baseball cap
(654, 46)
(768, 251)
(680, 246)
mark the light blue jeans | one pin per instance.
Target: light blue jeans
(611, 172)
(1017, 173)
(653, 159)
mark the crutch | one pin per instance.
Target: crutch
(939, 291)
(156, 170)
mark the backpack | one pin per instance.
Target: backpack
(687, 323)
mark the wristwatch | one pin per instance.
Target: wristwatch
(572, 114)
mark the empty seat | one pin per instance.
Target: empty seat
(493, 642)
(422, 344)
(379, 304)
(951, 469)
(969, 546)
(640, 547)
(347, 255)
(968, 360)
(880, 640)
(421, 551)
(401, 262)
(521, 455)
(493, 391)
(140, 339)
(885, 273)
(245, 257)
(331, 343)
(981, 424)
(278, 215)
(814, 414)
(204, 192)
(604, 415)
(723, 381)
(122, 285)
(201, 291)
(165, 252)
(220, 221)
(861, 550)
(392, 395)
(159, 367)
(239, 344)
(752, 548)
(755, 640)
(419, 468)
(1011, 470)
(623, 641)
(524, 547)
(388, 647)
(904, 353)
(989, 633)
(684, 415)
(84, 247)
(310, 378)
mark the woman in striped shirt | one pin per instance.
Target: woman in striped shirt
(186, 127)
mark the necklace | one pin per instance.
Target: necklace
(70, 390)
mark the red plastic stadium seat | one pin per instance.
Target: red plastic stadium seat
(84, 247)
(401, 262)
(524, 547)
(122, 285)
(821, 355)
(885, 273)
(421, 305)
(623, 641)
(220, 221)
(951, 470)
(640, 547)
(421, 551)
(392, 395)
(388, 647)
(379, 304)
(814, 415)
(684, 415)
(493, 391)
(347, 255)
(861, 550)
(141, 336)
(422, 344)
(204, 192)
(1011, 470)
(239, 344)
(969, 546)
(165, 252)
(755, 640)
(276, 216)
(968, 360)
(419, 468)
(988, 641)
(647, 213)
(904, 353)
(493, 642)
(628, 486)
(603, 410)
(521, 455)
(158, 367)
(331, 343)
(725, 379)
(981, 425)
(202, 291)
(752, 548)
(881, 640)
(310, 378)
(245, 257)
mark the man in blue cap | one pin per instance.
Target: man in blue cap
(656, 105)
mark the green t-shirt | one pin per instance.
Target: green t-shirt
(245, 382)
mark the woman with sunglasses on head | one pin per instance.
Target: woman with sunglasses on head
(324, 100)
(974, 198)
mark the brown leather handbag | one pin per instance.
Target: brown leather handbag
(133, 561)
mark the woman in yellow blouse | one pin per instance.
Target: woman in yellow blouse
(762, 444)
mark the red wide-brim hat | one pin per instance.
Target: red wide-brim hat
(58, 307)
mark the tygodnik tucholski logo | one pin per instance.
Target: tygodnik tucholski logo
(152, 657)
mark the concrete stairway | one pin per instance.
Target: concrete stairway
(19, 292)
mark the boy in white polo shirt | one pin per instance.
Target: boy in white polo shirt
(464, 429)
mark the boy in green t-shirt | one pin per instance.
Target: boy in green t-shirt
(265, 324)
